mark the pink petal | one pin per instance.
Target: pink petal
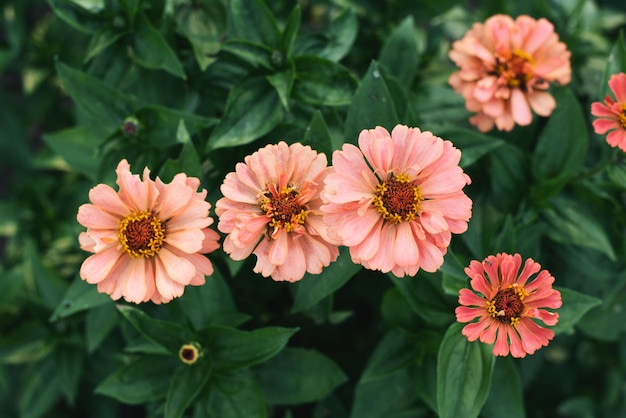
(98, 266)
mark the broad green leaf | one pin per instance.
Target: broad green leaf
(257, 56)
(322, 82)
(70, 360)
(384, 390)
(144, 379)
(372, 105)
(252, 20)
(152, 51)
(423, 372)
(99, 322)
(297, 375)
(231, 348)
(101, 103)
(615, 64)
(425, 295)
(290, 31)
(204, 25)
(575, 306)
(318, 136)
(283, 83)
(76, 16)
(169, 335)
(506, 396)
(101, 40)
(464, 372)
(473, 145)
(509, 175)
(79, 297)
(234, 395)
(186, 383)
(606, 322)
(315, 287)
(341, 35)
(400, 52)
(253, 109)
(571, 223)
(78, 147)
(562, 144)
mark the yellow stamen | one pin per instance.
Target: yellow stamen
(141, 234)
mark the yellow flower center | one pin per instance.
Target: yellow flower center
(284, 207)
(398, 199)
(189, 353)
(508, 305)
(141, 234)
(515, 69)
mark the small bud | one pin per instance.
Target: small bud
(130, 127)
(190, 353)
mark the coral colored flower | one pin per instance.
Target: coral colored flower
(396, 199)
(508, 305)
(271, 207)
(506, 66)
(612, 113)
(148, 238)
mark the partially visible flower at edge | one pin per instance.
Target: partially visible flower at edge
(271, 207)
(508, 305)
(506, 67)
(612, 113)
(396, 200)
(148, 238)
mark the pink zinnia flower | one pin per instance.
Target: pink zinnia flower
(148, 238)
(395, 201)
(506, 67)
(612, 113)
(271, 207)
(507, 305)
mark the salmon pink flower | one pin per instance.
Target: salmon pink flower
(612, 113)
(148, 238)
(506, 67)
(508, 305)
(396, 200)
(271, 207)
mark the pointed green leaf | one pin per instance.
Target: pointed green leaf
(40, 391)
(253, 109)
(234, 395)
(575, 306)
(230, 348)
(253, 21)
(78, 147)
(101, 40)
(186, 384)
(84, 21)
(322, 82)
(50, 287)
(188, 161)
(400, 52)
(464, 373)
(372, 105)
(290, 31)
(99, 322)
(152, 51)
(257, 56)
(79, 296)
(615, 64)
(318, 136)
(162, 124)
(283, 82)
(204, 25)
(297, 375)
(473, 145)
(506, 397)
(69, 361)
(341, 35)
(144, 379)
(315, 287)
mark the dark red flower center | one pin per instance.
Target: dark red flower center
(285, 208)
(515, 69)
(508, 305)
(141, 234)
(398, 199)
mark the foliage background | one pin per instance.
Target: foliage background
(210, 81)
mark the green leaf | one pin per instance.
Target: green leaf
(101, 40)
(473, 145)
(283, 83)
(162, 124)
(79, 297)
(562, 145)
(400, 52)
(297, 375)
(230, 348)
(252, 20)
(615, 64)
(384, 390)
(318, 136)
(77, 17)
(234, 395)
(188, 161)
(322, 82)
(152, 51)
(575, 306)
(144, 379)
(423, 372)
(315, 287)
(396, 311)
(509, 178)
(103, 105)
(257, 56)
(372, 105)
(41, 390)
(204, 25)
(99, 322)
(571, 223)
(464, 372)
(341, 35)
(290, 31)
(78, 147)
(506, 396)
(169, 335)
(187, 382)
(130, 7)
(424, 294)
(253, 109)
(50, 287)
(69, 361)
